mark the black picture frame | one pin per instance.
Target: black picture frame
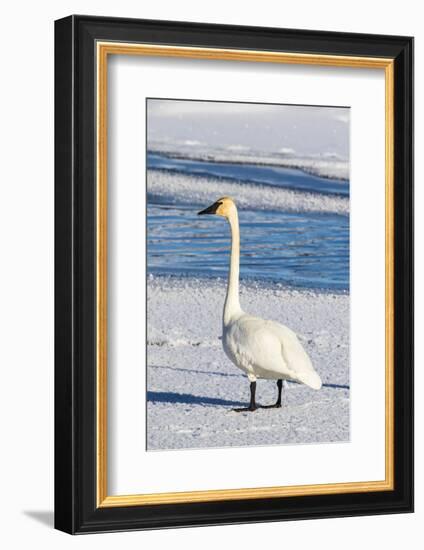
(76, 509)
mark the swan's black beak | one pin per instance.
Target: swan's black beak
(210, 209)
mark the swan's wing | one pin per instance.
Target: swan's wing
(256, 346)
(271, 346)
(294, 354)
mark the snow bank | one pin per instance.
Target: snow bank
(192, 386)
(188, 189)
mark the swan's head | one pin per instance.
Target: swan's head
(225, 207)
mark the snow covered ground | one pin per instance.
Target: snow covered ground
(193, 387)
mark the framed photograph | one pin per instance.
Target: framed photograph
(234, 269)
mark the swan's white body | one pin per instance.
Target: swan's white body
(260, 348)
(265, 349)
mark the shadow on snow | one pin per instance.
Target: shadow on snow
(216, 373)
(197, 371)
(188, 399)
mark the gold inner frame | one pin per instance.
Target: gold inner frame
(104, 49)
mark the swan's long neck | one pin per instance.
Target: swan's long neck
(232, 303)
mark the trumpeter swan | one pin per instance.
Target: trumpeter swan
(260, 348)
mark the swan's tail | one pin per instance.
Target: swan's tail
(311, 379)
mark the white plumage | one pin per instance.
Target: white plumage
(260, 348)
(265, 349)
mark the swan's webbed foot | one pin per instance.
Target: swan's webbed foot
(252, 406)
(276, 405)
(244, 409)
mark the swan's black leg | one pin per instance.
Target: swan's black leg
(252, 407)
(277, 404)
(280, 387)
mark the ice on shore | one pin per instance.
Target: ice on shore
(192, 386)
(188, 189)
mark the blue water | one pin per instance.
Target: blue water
(302, 249)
